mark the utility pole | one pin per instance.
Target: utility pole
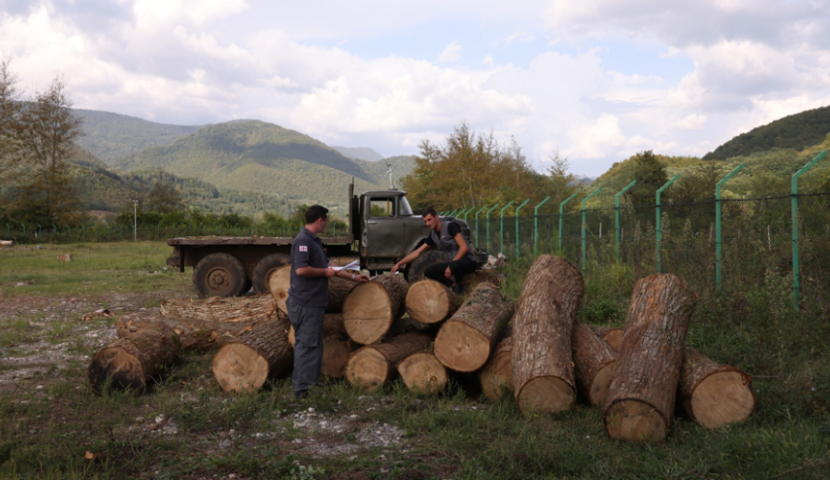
(135, 220)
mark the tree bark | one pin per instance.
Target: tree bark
(339, 289)
(611, 335)
(221, 309)
(336, 345)
(194, 335)
(497, 375)
(465, 341)
(370, 366)
(259, 354)
(594, 362)
(422, 373)
(431, 302)
(641, 396)
(131, 363)
(542, 327)
(714, 395)
(372, 307)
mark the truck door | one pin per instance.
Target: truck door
(383, 234)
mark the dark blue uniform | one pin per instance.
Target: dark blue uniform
(306, 309)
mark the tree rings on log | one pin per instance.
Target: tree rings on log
(278, 284)
(613, 336)
(131, 363)
(430, 302)
(641, 396)
(714, 395)
(372, 307)
(371, 366)
(465, 341)
(261, 353)
(423, 374)
(542, 358)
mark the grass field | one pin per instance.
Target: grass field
(53, 426)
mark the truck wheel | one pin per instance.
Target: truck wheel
(416, 269)
(264, 269)
(219, 275)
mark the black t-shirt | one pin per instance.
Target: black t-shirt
(452, 228)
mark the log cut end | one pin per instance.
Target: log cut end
(599, 387)
(634, 421)
(545, 394)
(239, 368)
(461, 347)
(368, 313)
(614, 338)
(723, 398)
(430, 302)
(123, 370)
(423, 373)
(278, 283)
(367, 368)
(497, 376)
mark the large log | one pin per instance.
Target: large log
(422, 373)
(428, 301)
(613, 336)
(194, 335)
(641, 396)
(542, 327)
(221, 309)
(372, 307)
(594, 361)
(259, 354)
(339, 289)
(336, 345)
(714, 395)
(497, 376)
(132, 363)
(466, 340)
(370, 366)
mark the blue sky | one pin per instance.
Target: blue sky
(596, 80)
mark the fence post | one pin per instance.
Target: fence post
(83, 233)
(536, 226)
(487, 217)
(796, 266)
(39, 232)
(718, 250)
(561, 223)
(467, 212)
(8, 231)
(479, 211)
(501, 248)
(54, 232)
(517, 226)
(617, 214)
(584, 228)
(658, 222)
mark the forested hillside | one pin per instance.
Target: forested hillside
(795, 132)
(110, 136)
(366, 154)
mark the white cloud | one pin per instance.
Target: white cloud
(451, 53)
(694, 121)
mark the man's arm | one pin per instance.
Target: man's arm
(412, 256)
(312, 272)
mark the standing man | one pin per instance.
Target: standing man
(446, 236)
(306, 304)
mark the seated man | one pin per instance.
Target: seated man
(447, 236)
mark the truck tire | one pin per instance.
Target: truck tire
(265, 268)
(220, 275)
(415, 272)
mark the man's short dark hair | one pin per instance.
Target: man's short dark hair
(429, 211)
(316, 212)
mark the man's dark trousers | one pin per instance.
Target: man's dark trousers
(458, 268)
(308, 345)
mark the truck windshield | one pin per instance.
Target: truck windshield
(404, 208)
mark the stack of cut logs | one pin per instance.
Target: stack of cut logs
(424, 333)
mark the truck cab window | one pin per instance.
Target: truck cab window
(382, 207)
(405, 209)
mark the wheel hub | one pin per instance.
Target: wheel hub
(218, 279)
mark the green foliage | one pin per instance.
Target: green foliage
(792, 132)
(650, 175)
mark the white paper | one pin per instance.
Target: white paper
(352, 266)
